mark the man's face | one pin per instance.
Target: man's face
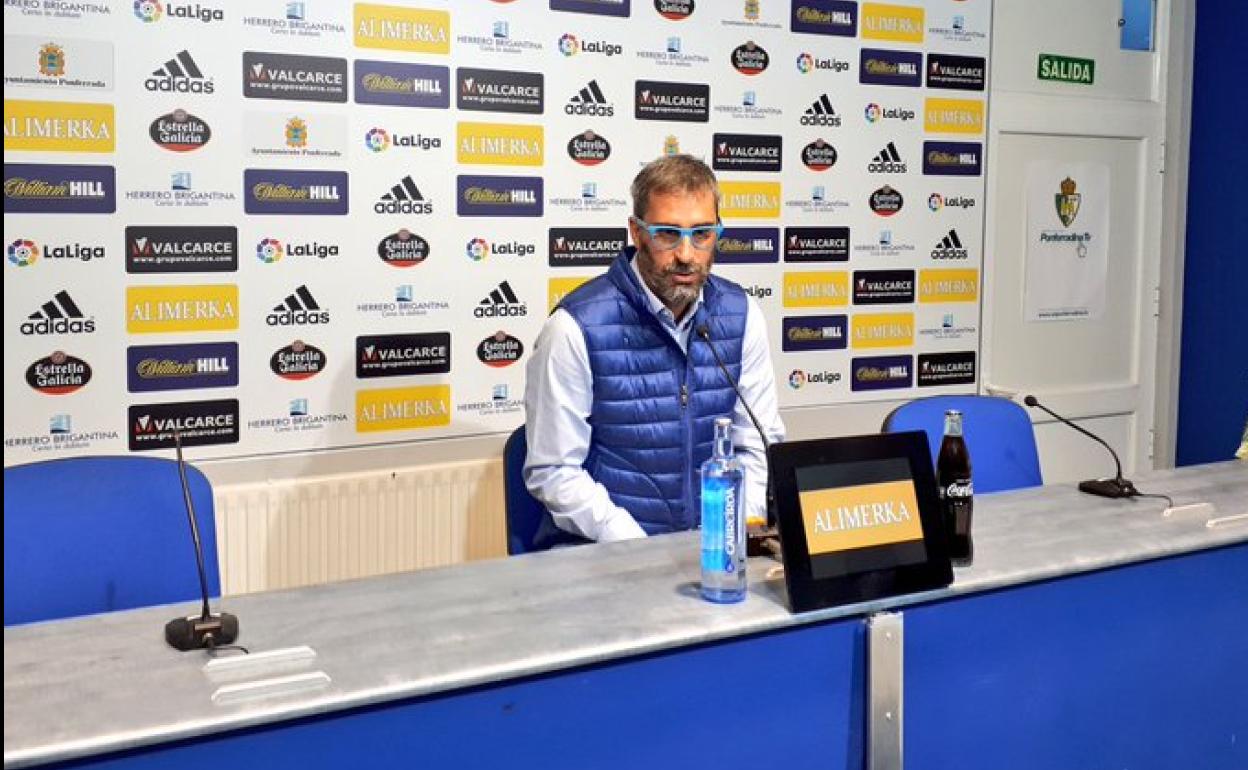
(675, 275)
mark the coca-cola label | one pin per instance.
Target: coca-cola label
(962, 489)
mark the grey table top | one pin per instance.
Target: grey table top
(86, 686)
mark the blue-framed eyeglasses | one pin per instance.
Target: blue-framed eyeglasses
(667, 237)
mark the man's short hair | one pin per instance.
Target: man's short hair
(672, 174)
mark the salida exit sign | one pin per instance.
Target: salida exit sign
(1066, 69)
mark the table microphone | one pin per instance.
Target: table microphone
(206, 629)
(1115, 487)
(705, 334)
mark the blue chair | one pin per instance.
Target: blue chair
(97, 534)
(997, 431)
(529, 527)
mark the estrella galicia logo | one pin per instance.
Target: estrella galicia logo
(36, 188)
(748, 246)
(814, 332)
(881, 372)
(883, 287)
(499, 196)
(403, 249)
(585, 246)
(952, 158)
(59, 315)
(58, 374)
(747, 152)
(957, 368)
(661, 100)
(825, 17)
(589, 149)
(268, 75)
(964, 73)
(181, 249)
(500, 91)
(201, 423)
(402, 85)
(181, 367)
(299, 308)
(500, 349)
(675, 10)
(819, 155)
(879, 67)
(179, 131)
(401, 355)
(750, 58)
(297, 361)
(816, 244)
(283, 191)
(886, 201)
(597, 7)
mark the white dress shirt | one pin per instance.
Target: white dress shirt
(558, 398)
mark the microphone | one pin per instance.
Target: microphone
(705, 334)
(206, 629)
(1115, 487)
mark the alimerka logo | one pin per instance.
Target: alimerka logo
(167, 309)
(411, 408)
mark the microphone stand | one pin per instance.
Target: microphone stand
(1117, 487)
(765, 540)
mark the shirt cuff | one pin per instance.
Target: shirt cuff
(620, 527)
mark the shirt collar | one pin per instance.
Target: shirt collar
(656, 305)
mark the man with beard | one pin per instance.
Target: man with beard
(623, 388)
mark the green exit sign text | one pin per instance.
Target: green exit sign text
(1066, 69)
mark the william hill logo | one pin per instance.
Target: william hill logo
(58, 126)
(402, 29)
(499, 144)
(501, 302)
(59, 315)
(749, 200)
(298, 309)
(386, 409)
(404, 198)
(163, 309)
(589, 149)
(180, 75)
(590, 101)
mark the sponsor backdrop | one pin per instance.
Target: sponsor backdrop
(280, 225)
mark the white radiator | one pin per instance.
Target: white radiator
(317, 530)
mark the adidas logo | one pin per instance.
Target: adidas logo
(180, 75)
(299, 309)
(950, 247)
(821, 113)
(404, 198)
(590, 101)
(501, 302)
(887, 161)
(60, 315)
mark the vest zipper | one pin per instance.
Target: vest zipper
(684, 396)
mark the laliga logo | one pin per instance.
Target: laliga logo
(478, 249)
(797, 378)
(23, 253)
(805, 63)
(873, 112)
(148, 10)
(377, 140)
(269, 250)
(935, 202)
(569, 45)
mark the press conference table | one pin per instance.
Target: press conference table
(1088, 633)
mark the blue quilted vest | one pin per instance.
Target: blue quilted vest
(654, 407)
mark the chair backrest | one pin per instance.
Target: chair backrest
(96, 534)
(998, 435)
(524, 512)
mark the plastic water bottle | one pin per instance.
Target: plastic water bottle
(723, 521)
